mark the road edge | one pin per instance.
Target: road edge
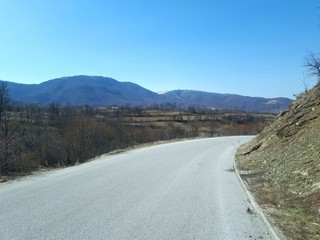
(272, 232)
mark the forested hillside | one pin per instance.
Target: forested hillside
(103, 91)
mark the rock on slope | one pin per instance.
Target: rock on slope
(284, 167)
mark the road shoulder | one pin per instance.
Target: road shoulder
(274, 232)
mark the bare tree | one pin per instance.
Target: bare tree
(7, 128)
(4, 98)
(305, 83)
(79, 136)
(312, 62)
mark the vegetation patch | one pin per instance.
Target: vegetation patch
(34, 136)
(287, 156)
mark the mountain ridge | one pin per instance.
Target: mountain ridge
(104, 91)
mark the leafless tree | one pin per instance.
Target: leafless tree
(7, 128)
(4, 97)
(305, 83)
(312, 62)
(79, 136)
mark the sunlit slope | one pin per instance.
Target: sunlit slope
(103, 91)
(285, 164)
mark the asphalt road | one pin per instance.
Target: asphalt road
(183, 190)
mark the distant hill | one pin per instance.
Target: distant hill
(186, 98)
(103, 91)
(82, 90)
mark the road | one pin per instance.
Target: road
(182, 190)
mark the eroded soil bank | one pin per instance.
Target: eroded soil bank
(283, 168)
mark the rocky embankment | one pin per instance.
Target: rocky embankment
(283, 168)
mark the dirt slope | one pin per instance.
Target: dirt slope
(283, 165)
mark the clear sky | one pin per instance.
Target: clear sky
(247, 47)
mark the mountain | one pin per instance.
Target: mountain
(283, 167)
(82, 90)
(103, 91)
(186, 98)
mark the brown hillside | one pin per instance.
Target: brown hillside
(284, 168)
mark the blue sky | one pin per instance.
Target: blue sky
(247, 47)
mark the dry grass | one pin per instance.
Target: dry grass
(287, 153)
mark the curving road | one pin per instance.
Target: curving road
(182, 190)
